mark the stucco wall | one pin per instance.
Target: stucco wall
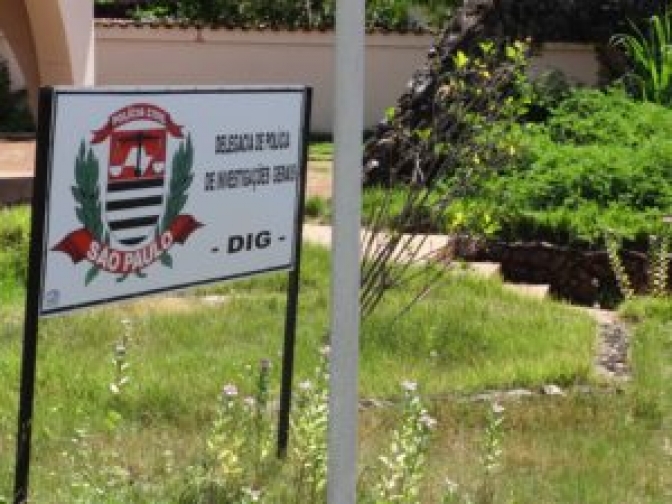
(160, 55)
(578, 62)
(80, 36)
(192, 56)
(189, 56)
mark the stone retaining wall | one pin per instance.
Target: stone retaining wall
(584, 277)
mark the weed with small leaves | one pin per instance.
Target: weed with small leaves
(309, 433)
(403, 466)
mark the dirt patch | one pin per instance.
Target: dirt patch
(17, 158)
(319, 179)
(612, 359)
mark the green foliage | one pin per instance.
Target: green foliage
(403, 465)
(440, 157)
(613, 246)
(180, 180)
(454, 141)
(651, 349)
(548, 90)
(275, 13)
(491, 454)
(650, 53)
(238, 450)
(15, 115)
(292, 14)
(321, 151)
(390, 14)
(657, 268)
(317, 208)
(470, 334)
(600, 162)
(659, 264)
(87, 193)
(466, 216)
(387, 207)
(309, 425)
(14, 244)
(588, 116)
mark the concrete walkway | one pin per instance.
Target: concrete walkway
(427, 248)
(423, 248)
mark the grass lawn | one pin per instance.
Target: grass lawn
(613, 445)
(321, 151)
(468, 335)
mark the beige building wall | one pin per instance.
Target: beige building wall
(51, 42)
(578, 62)
(189, 56)
(128, 54)
(77, 18)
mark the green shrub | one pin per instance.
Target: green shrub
(601, 162)
(589, 116)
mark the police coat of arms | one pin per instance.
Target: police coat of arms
(134, 219)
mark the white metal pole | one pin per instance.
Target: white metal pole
(345, 277)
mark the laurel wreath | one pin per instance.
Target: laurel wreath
(87, 194)
(180, 180)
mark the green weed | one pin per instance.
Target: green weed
(317, 208)
(651, 58)
(14, 243)
(321, 151)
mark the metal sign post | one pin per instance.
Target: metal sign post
(292, 309)
(345, 314)
(31, 317)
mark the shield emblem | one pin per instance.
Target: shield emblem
(135, 184)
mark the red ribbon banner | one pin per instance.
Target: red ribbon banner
(137, 112)
(81, 244)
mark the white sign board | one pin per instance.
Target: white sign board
(150, 190)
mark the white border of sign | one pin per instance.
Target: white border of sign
(157, 189)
